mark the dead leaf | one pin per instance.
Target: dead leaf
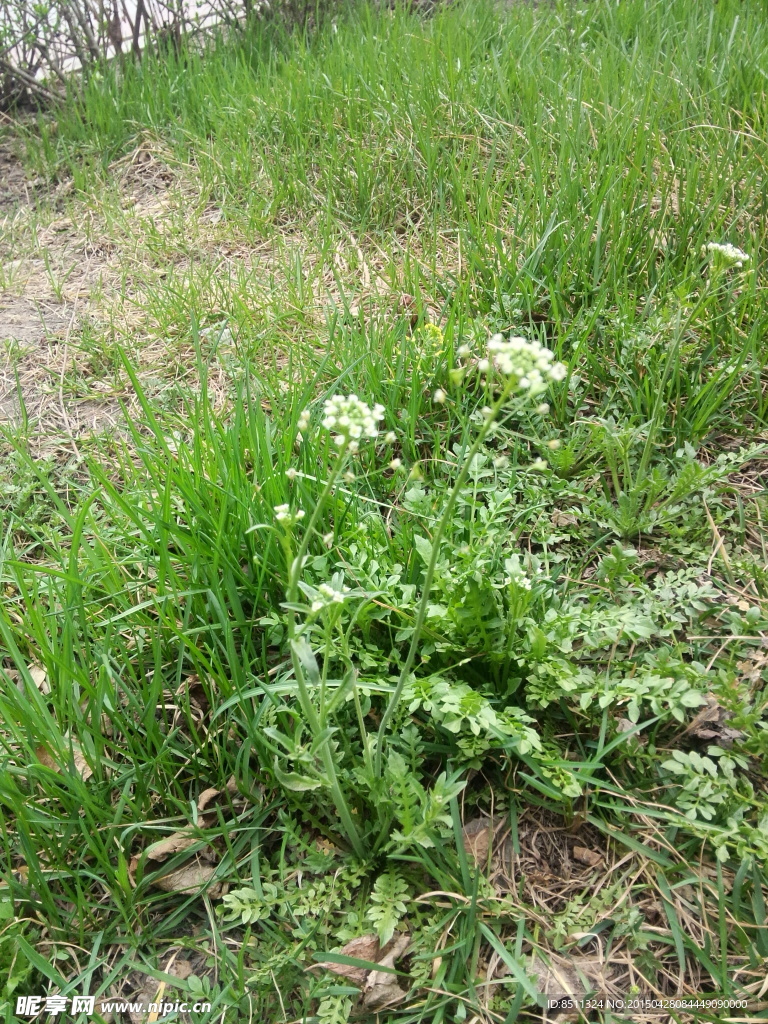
(208, 795)
(407, 306)
(476, 838)
(753, 666)
(387, 993)
(381, 988)
(180, 969)
(39, 678)
(560, 979)
(174, 843)
(43, 755)
(563, 519)
(586, 856)
(82, 767)
(326, 847)
(191, 879)
(711, 723)
(364, 947)
(61, 225)
(192, 689)
(394, 949)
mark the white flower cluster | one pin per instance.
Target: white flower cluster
(326, 596)
(348, 419)
(283, 514)
(726, 255)
(528, 361)
(523, 582)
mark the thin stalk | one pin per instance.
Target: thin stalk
(296, 565)
(305, 699)
(422, 612)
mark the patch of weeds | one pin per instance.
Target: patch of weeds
(374, 680)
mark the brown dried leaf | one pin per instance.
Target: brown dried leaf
(753, 666)
(588, 857)
(193, 690)
(209, 795)
(82, 767)
(383, 994)
(563, 518)
(43, 755)
(476, 838)
(174, 843)
(407, 306)
(364, 947)
(191, 879)
(711, 723)
(39, 678)
(561, 980)
(326, 847)
(394, 949)
(180, 969)
(381, 988)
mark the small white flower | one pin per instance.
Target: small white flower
(484, 366)
(726, 255)
(542, 409)
(529, 362)
(539, 465)
(303, 423)
(395, 464)
(349, 420)
(463, 351)
(390, 437)
(501, 461)
(291, 473)
(328, 539)
(327, 595)
(349, 477)
(439, 396)
(283, 514)
(554, 444)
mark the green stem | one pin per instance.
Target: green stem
(305, 699)
(294, 571)
(422, 610)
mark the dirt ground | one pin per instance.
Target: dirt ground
(48, 278)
